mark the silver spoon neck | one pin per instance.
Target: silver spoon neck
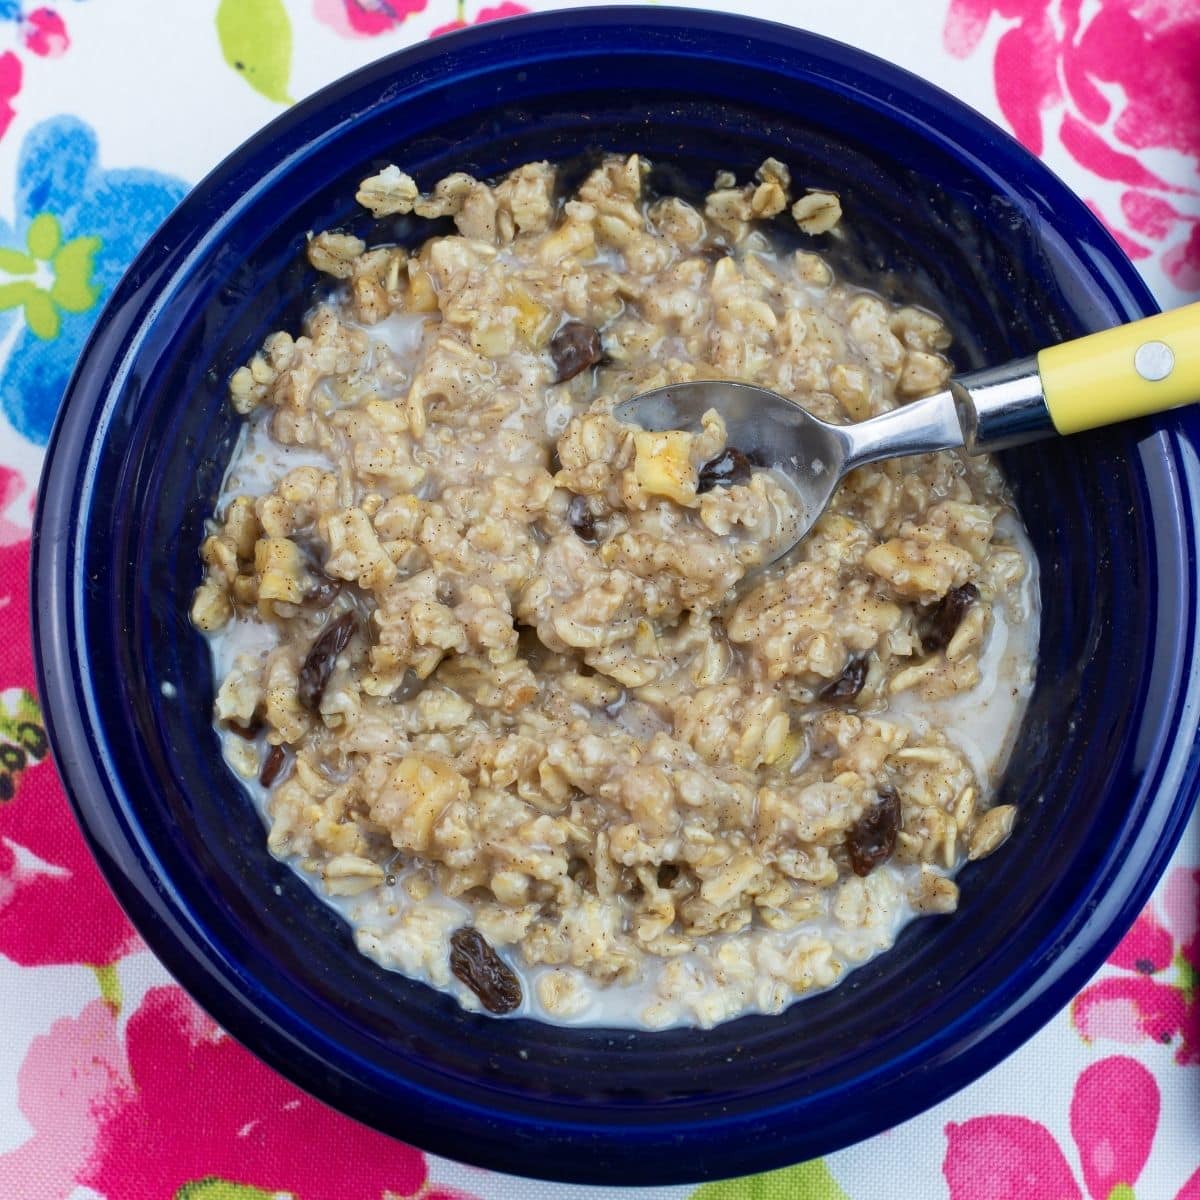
(921, 427)
(981, 411)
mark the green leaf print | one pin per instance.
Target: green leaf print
(44, 236)
(1189, 979)
(806, 1181)
(72, 290)
(41, 316)
(14, 262)
(221, 1189)
(70, 268)
(110, 986)
(16, 294)
(256, 40)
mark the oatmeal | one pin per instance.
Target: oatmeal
(512, 681)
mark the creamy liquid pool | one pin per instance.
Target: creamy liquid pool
(982, 723)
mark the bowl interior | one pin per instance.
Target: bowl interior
(928, 222)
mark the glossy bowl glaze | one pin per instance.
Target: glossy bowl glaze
(949, 212)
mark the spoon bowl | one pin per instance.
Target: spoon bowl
(771, 430)
(1143, 367)
(812, 455)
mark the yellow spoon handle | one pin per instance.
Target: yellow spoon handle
(1130, 371)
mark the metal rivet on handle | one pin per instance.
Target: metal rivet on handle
(1154, 361)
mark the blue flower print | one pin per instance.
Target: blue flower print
(77, 228)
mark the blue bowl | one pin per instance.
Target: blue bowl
(952, 214)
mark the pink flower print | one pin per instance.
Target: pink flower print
(11, 532)
(1118, 78)
(1182, 261)
(235, 1119)
(1191, 1189)
(180, 1103)
(1147, 214)
(506, 9)
(10, 85)
(54, 904)
(1157, 999)
(1181, 903)
(1114, 1116)
(1005, 1158)
(1146, 948)
(1123, 1009)
(16, 649)
(44, 33)
(364, 18)
(70, 1078)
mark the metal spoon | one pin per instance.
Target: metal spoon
(1132, 370)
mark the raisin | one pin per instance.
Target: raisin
(729, 467)
(581, 518)
(941, 620)
(323, 591)
(446, 593)
(574, 348)
(872, 838)
(249, 732)
(322, 658)
(849, 683)
(530, 648)
(667, 874)
(474, 962)
(272, 766)
(410, 684)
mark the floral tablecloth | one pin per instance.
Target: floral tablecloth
(112, 1083)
